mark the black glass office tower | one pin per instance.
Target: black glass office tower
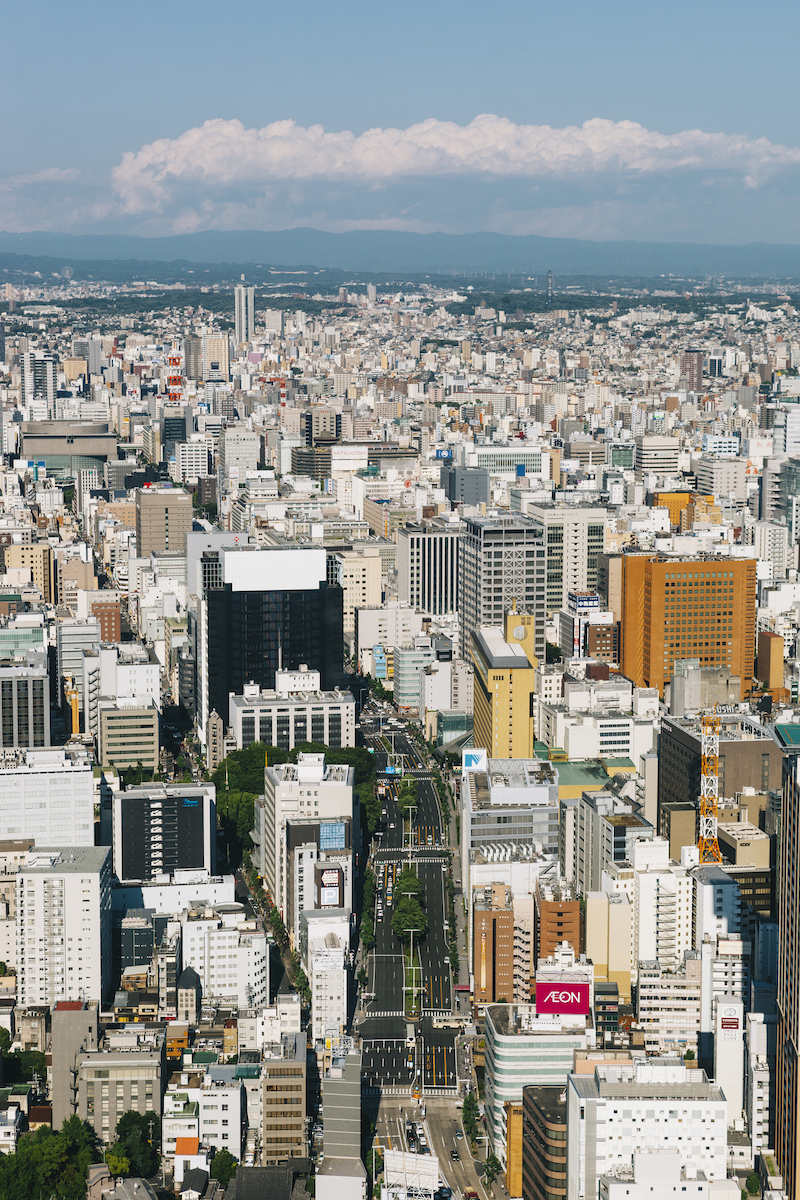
(251, 634)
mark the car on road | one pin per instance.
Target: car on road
(459, 1135)
(455, 1156)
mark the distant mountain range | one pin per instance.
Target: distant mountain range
(383, 251)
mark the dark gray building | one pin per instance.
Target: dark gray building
(465, 485)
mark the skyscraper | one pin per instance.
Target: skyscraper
(427, 566)
(501, 563)
(244, 313)
(193, 357)
(701, 608)
(263, 609)
(574, 536)
(38, 385)
(692, 368)
(163, 519)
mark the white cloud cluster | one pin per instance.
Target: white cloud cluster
(222, 154)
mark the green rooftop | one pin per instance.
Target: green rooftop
(788, 735)
(618, 764)
(588, 774)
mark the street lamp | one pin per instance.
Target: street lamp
(412, 808)
(412, 932)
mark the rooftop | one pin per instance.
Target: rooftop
(67, 860)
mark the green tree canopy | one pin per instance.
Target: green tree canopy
(138, 1140)
(407, 881)
(491, 1168)
(223, 1167)
(50, 1163)
(408, 915)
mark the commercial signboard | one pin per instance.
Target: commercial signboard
(570, 999)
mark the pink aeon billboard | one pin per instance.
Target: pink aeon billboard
(569, 998)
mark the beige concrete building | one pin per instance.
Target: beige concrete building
(38, 559)
(163, 519)
(128, 733)
(743, 844)
(359, 575)
(74, 576)
(609, 917)
(283, 1133)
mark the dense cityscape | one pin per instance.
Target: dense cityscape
(400, 719)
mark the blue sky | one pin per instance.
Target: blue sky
(575, 119)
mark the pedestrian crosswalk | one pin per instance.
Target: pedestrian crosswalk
(370, 1012)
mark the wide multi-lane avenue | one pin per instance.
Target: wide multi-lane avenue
(397, 1055)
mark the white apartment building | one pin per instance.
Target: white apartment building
(311, 789)
(221, 1105)
(395, 624)
(180, 1118)
(192, 460)
(64, 925)
(771, 543)
(228, 952)
(327, 976)
(239, 452)
(663, 894)
(258, 1028)
(653, 1104)
(118, 672)
(761, 1037)
(668, 1006)
(46, 796)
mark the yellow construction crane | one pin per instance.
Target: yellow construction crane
(708, 844)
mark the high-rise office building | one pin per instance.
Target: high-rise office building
(38, 384)
(656, 455)
(677, 608)
(263, 610)
(692, 368)
(163, 519)
(574, 539)
(193, 358)
(505, 681)
(501, 566)
(24, 701)
(427, 566)
(216, 358)
(239, 452)
(159, 829)
(64, 925)
(244, 319)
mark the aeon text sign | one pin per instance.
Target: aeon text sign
(570, 998)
